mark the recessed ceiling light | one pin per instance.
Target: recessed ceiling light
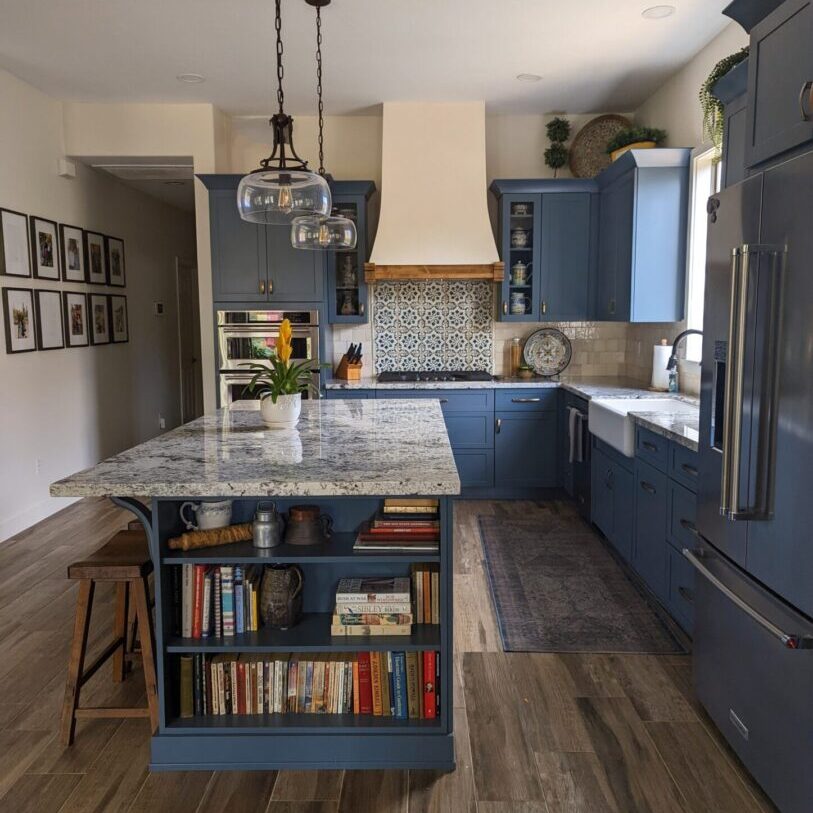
(191, 78)
(658, 12)
(528, 77)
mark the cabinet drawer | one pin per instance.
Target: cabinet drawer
(683, 466)
(336, 395)
(652, 448)
(450, 400)
(525, 400)
(682, 531)
(474, 431)
(681, 590)
(650, 548)
(475, 467)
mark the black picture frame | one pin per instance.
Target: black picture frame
(3, 269)
(70, 274)
(34, 248)
(111, 318)
(90, 238)
(92, 318)
(113, 243)
(7, 317)
(68, 300)
(38, 293)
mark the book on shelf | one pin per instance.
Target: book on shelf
(371, 629)
(426, 593)
(410, 505)
(391, 589)
(374, 619)
(410, 521)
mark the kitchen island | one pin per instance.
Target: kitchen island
(345, 457)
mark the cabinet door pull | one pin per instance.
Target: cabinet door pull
(689, 526)
(262, 286)
(804, 99)
(650, 447)
(505, 308)
(444, 400)
(611, 306)
(544, 306)
(497, 425)
(270, 287)
(361, 309)
(686, 594)
(525, 400)
(608, 480)
(692, 470)
(648, 487)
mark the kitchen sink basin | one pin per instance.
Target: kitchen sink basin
(609, 420)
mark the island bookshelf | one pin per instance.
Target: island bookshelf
(298, 740)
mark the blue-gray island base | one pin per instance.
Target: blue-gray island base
(345, 457)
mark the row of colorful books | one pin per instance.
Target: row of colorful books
(403, 525)
(402, 685)
(216, 601)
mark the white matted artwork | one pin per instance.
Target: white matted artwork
(76, 319)
(118, 319)
(44, 248)
(115, 262)
(95, 258)
(15, 259)
(73, 257)
(99, 319)
(18, 320)
(50, 325)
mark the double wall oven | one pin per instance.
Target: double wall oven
(251, 336)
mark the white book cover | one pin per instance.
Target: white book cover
(206, 609)
(371, 589)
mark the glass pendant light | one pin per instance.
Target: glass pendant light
(283, 187)
(319, 232)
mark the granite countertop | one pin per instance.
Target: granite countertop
(340, 448)
(682, 427)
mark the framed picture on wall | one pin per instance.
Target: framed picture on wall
(73, 257)
(99, 319)
(15, 258)
(115, 262)
(18, 319)
(49, 320)
(44, 247)
(95, 258)
(76, 319)
(118, 319)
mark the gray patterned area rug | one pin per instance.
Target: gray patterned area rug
(556, 588)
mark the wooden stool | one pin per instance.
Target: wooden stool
(124, 559)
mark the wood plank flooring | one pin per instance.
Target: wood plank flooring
(535, 733)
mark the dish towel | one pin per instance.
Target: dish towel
(575, 419)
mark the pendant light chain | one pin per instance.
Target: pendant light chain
(280, 70)
(321, 105)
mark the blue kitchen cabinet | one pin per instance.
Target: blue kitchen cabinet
(525, 449)
(780, 73)
(732, 91)
(640, 276)
(649, 554)
(294, 274)
(347, 296)
(601, 472)
(612, 496)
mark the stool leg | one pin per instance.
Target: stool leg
(76, 664)
(139, 587)
(120, 631)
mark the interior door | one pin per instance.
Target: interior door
(189, 342)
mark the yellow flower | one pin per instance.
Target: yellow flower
(284, 348)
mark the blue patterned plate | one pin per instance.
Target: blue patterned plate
(548, 351)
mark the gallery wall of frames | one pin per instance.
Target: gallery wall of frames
(57, 318)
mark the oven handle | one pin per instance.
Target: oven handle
(787, 639)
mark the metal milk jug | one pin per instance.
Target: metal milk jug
(267, 529)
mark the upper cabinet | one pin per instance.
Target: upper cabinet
(780, 82)
(347, 291)
(548, 242)
(255, 263)
(732, 91)
(641, 268)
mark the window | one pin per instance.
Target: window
(705, 182)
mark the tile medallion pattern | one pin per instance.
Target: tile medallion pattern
(434, 325)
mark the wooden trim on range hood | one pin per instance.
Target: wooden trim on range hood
(493, 272)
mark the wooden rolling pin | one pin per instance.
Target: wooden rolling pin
(192, 540)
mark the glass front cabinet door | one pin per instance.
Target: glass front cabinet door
(520, 227)
(347, 291)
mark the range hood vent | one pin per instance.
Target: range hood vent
(434, 220)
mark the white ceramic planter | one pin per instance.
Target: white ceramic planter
(282, 415)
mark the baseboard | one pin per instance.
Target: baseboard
(12, 526)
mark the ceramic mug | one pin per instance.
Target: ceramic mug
(208, 515)
(519, 303)
(519, 238)
(519, 273)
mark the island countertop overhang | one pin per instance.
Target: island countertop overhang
(340, 448)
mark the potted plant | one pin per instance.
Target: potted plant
(280, 383)
(635, 138)
(558, 130)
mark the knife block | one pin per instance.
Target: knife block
(348, 371)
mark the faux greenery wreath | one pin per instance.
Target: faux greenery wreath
(632, 135)
(711, 106)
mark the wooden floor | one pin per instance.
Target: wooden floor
(548, 733)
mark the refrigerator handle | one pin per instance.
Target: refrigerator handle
(787, 639)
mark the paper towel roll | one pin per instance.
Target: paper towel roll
(660, 358)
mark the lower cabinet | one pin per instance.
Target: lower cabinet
(680, 602)
(649, 553)
(525, 449)
(475, 467)
(611, 499)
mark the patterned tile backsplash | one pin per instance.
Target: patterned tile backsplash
(433, 325)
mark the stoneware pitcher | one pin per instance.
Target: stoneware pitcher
(281, 596)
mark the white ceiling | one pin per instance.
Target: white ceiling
(593, 54)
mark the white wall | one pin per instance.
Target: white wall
(70, 408)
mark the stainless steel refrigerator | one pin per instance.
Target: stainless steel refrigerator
(753, 639)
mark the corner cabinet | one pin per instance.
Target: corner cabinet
(256, 263)
(547, 238)
(642, 237)
(347, 290)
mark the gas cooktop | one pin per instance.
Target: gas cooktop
(434, 375)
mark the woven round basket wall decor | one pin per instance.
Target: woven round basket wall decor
(588, 152)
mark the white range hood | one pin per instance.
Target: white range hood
(434, 220)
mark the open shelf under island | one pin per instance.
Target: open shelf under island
(345, 457)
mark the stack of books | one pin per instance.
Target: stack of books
(403, 525)
(211, 602)
(401, 685)
(373, 606)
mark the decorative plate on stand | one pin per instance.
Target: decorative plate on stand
(588, 152)
(548, 351)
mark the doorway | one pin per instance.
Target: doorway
(191, 374)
